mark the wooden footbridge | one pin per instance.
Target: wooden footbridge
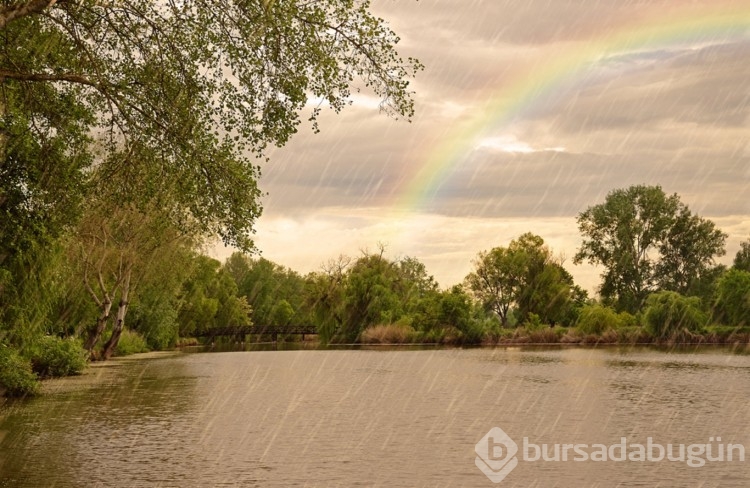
(240, 333)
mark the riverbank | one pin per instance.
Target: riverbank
(630, 335)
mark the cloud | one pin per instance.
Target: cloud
(446, 245)
(674, 115)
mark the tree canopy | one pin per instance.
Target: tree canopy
(742, 258)
(145, 105)
(524, 275)
(646, 240)
(184, 95)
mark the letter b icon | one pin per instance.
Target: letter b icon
(496, 454)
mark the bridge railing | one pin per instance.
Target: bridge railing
(274, 330)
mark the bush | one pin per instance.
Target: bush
(597, 319)
(474, 332)
(669, 314)
(131, 342)
(53, 357)
(434, 336)
(633, 334)
(533, 323)
(546, 335)
(16, 375)
(388, 334)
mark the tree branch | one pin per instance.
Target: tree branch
(69, 77)
(10, 13)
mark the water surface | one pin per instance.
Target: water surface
(376, 417)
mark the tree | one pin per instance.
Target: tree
(742, 258)
(524, 275)
(732, 301)
(495, 280)
(118, 245)
(210, 299)
(325, 296)
(687, 252)
(199, 307)
(185, 95)
(265, 285)
(545, 286)
(647, 241)
(669, 314)
(371, 294)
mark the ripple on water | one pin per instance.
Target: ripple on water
(375, 418)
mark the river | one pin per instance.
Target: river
(382, 417)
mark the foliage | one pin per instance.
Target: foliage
(53, 356)
(742, 258)
(732, 303)
(155, 302)
(389, 334)
(118, 247)
(155, 318)
(43, 138)
(131, 342)
(533, 323)
(371, 295)
(494, 280)
(456, 309)
(193, 89)
(668, 313)
(597, 319)
(474, 333)
(30, 289)
(275, 293)
(210, 299)
(646, 240)
(727, 334)
(325, 292)
(524, 274)
(16, 375)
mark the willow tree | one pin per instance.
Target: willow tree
(200, 88)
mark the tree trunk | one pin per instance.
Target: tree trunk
(101, 322)
(122, 309)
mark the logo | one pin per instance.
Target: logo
(496, 454)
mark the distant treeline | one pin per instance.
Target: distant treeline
(123, 281)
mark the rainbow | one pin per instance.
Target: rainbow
(687, 26)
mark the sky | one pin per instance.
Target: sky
(527, 113)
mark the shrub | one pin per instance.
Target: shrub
(434, 336)
(597, 319)
(496, 335)
(633, 334)
(669, 313)
(533, 323)
(16, 375)
(53, 356)
(546, 335)
(474, 332)
(388, 334)
(131, 342)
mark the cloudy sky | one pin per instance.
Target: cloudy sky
(528, 112)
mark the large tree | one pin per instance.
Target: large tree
(183, 95)
(646, 240)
